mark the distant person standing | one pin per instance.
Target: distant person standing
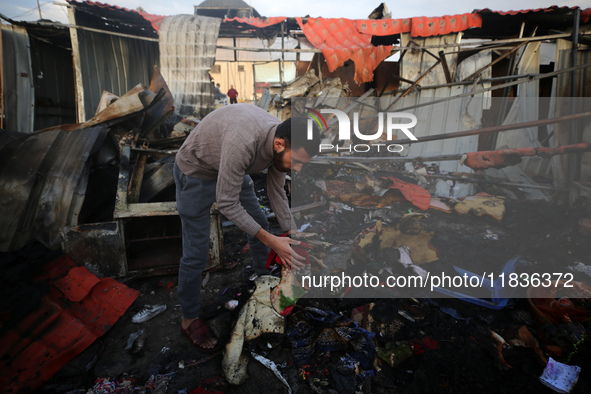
(232, 94)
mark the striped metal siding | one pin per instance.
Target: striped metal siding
(115, 64)
(187, 53)
(454, 115)
(18, 79)
(53, 76)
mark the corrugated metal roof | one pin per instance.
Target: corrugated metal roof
(120, 19)
(420, 26)
(155, 20)
(553, 8)
(339, 40)
(258, 22)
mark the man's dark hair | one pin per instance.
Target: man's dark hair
(295, 131)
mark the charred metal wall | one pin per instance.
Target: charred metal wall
(53, 78)
(44, 180)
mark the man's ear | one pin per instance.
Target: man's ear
(278, 144)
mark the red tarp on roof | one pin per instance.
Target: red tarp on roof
(155, 20)
(258, 22)
(420, 26)
(423, 26)
(61, 327)
(383, 27)
(339, 40)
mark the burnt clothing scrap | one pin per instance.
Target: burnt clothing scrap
(331, 349)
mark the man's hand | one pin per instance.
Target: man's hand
(282, 246)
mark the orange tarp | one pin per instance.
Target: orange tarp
(258, 22)
(420, 26)
(339, 40)
(78, 309)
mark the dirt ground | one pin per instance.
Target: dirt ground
(466, 358)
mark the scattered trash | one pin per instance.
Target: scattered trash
(148, 312)
(205, 280)
(273, 367)
(257, 316)
(482, 204)
(560, 377)
(585, 226)
(395, 354)
(453, 313)
(136, 341)
(406, 316)
(164, 350)
(580, 267)
(231, 305)
(491, 235)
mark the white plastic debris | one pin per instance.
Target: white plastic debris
(231, 305)
(273, 367)
(560, 377)
(148, 312)
(406, 261)
(133, 338)
(491, 235)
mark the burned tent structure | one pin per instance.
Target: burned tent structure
(456, 65)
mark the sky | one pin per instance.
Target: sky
(352, 9)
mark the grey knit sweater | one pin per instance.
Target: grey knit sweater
(227, 144)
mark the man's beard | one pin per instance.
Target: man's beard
(278, 161)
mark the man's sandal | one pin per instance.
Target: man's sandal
(199, 333)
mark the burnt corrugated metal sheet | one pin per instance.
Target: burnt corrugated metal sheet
(339, 40)
(115, 18)
(187, 53)
(18, 91)
(43, 181)
(460, 114)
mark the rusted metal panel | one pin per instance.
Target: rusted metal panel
(187, 53)
(44, 177)
(19, 97)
